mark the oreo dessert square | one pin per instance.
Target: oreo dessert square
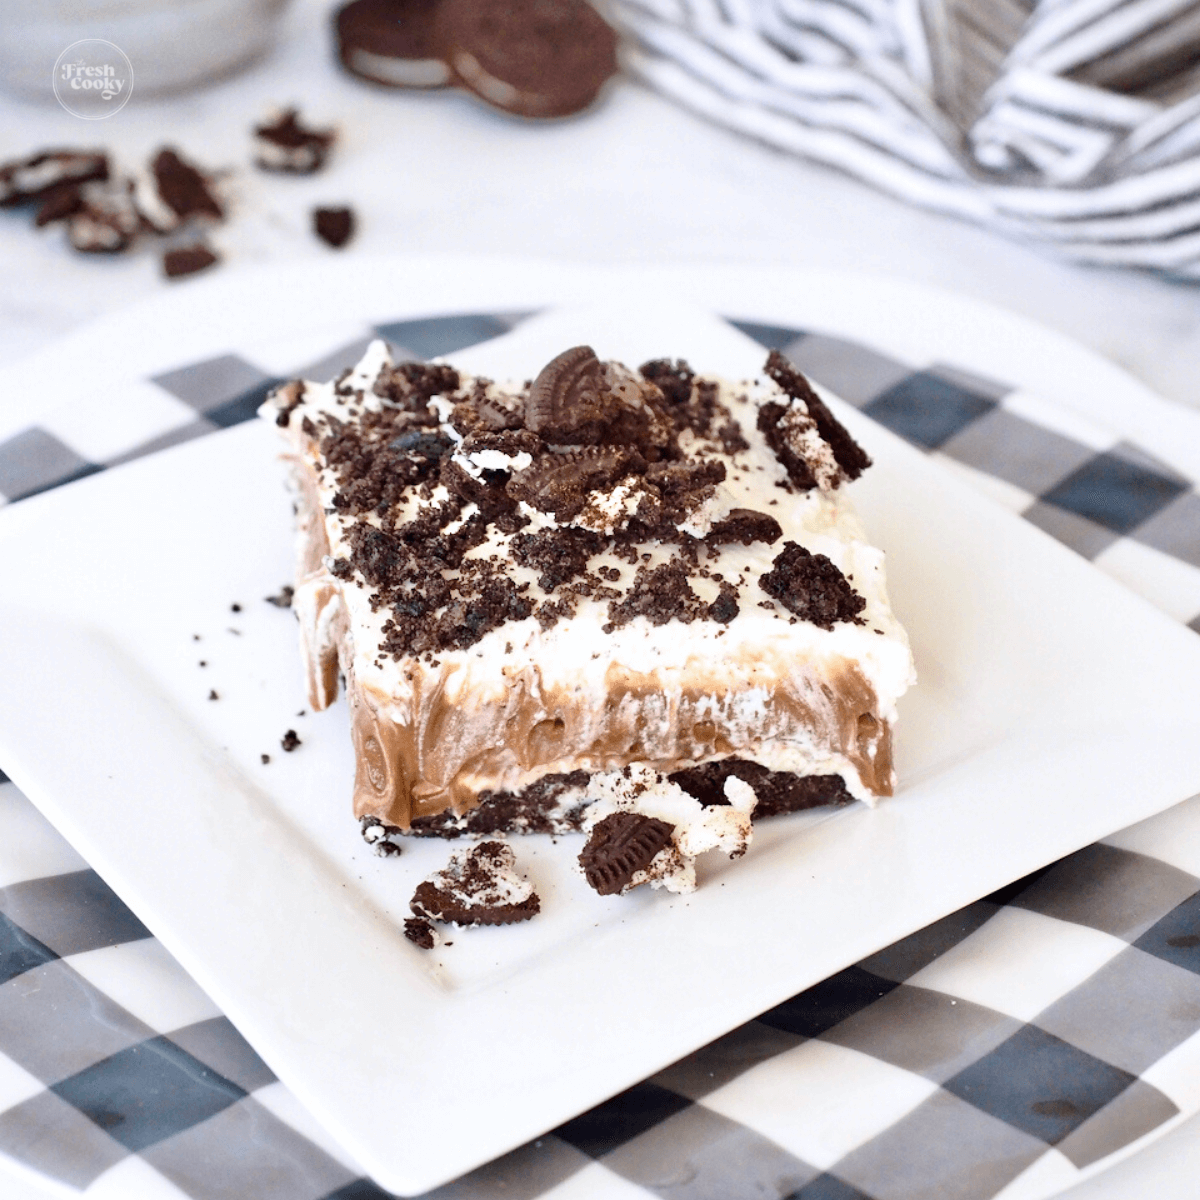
(634, 604)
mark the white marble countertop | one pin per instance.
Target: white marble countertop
(634, 181)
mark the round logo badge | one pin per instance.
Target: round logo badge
(93, 79)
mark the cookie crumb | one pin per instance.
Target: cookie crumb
(334, 226)
(289, 741)
(188, 260)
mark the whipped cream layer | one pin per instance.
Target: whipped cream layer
(566, 687)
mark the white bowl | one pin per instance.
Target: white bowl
(171, 44)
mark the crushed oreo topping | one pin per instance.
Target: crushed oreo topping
(812, 587)
(411, 385)
(725, 607)
(771, 425)
(440, 488)
(746, 526)
(559, 554)
(660, 594)
(674, 379)
(560, 483)
(619, 846)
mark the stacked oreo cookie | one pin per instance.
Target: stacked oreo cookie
(532, 58)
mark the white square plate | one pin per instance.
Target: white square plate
(1053, 708)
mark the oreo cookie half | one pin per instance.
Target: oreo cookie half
(533, 58)
(391, 42)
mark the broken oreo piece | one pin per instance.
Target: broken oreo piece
(381, 837)
(849, 455)
(620, 846)
(812, 587)
(106, 220)
(567, 403)
(37, 177)
(187, 260)
(419, 931)
(560, 483)
(391, 42)
(532, 58)
(59, 203)
(287, 146)
(334, 226)
(184, 190)
(479, 886)
(744, 525)
(289, 741)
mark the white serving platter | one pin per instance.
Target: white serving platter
(1053, 708)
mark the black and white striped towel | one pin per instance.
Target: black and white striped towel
(1074, 124)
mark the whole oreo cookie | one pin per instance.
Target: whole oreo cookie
(391, 42)
(534, 58)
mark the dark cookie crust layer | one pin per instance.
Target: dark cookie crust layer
(778, 792)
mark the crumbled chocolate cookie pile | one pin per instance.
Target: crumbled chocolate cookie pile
(617, 462)
(812, 587)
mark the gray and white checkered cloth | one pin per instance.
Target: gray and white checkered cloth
(1005, 1051)
(1073, 124)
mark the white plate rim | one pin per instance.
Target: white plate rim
(403, 1177)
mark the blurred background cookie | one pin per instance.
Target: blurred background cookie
(391, 42)
(534, 58)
